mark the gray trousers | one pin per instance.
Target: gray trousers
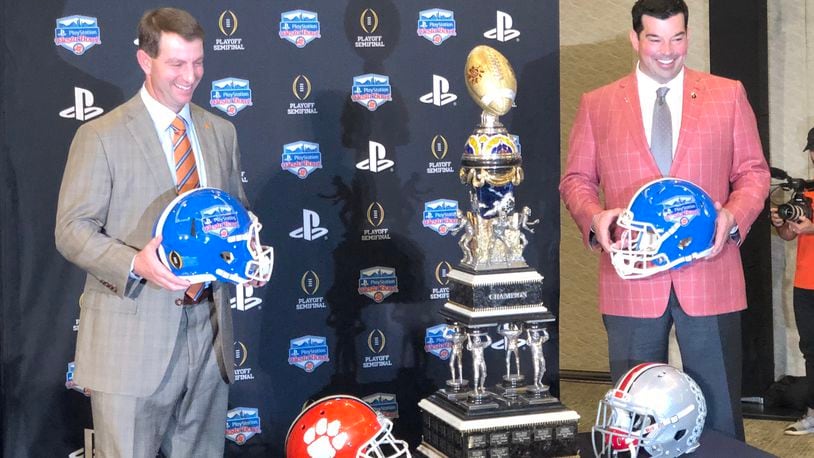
(710, 349)
(185, 417)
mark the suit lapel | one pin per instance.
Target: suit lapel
(693, 89)
(205, 131)
(142, 130)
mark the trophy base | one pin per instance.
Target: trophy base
(512, 429)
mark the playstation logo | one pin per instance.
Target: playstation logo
(504, 31)
(440, 94)
(310, 229)
(83, 109)
(249, 302)
(375, 161)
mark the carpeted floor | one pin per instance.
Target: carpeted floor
(764, 434)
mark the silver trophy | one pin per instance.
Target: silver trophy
(493, 288)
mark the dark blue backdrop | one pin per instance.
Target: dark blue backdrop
(338, 217)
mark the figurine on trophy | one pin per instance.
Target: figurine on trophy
(476, 346)
(522, 221)
(469, 232)
(537, 336)
(458, 337)
(511, 333)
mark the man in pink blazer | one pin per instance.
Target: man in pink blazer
(715, 145)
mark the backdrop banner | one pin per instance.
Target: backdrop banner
(351, 117)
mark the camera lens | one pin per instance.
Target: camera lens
(790, 212)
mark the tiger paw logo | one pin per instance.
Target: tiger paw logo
(324, 439)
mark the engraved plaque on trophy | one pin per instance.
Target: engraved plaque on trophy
(494, 293)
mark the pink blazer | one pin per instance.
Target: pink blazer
(718, 149)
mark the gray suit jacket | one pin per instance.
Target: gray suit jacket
(116, 184)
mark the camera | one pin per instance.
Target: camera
(799, 205)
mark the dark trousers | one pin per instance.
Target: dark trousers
(804, 317)
(710, 352)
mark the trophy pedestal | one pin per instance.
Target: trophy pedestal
(486, 298)
(513, 428)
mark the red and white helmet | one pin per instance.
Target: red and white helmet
(342, 426)
(653, 406)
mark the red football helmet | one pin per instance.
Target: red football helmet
(342, 426)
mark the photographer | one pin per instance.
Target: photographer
(789, 229)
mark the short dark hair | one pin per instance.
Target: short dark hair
(166, 20)
(659, 9)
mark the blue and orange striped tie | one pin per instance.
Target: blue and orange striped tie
(186, 173)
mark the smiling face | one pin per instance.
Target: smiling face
(173, 74)
(662, 46)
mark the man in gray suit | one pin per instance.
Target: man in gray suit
(157, 362)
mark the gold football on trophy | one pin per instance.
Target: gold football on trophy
(490, 80)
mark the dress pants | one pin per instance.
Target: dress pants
(710, 349)
(185, 416)
(804, 317)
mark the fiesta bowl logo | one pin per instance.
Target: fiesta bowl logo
(435, 343)
(77, 33)
(242, 423)
(220, 220)
(378, 283)
(230, 95)
(300, 27)
(680, 209)
(301, 158)
(440, 215)
(436, 25)
(371, 90)
(308, 352)
(384, 403)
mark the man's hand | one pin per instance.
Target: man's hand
(148, 266)
(777, 221)
(802, 226)
(723, 225)
(601, 224)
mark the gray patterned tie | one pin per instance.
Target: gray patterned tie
(661, 135)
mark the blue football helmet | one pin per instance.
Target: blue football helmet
(209, 236)
(670, 222)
